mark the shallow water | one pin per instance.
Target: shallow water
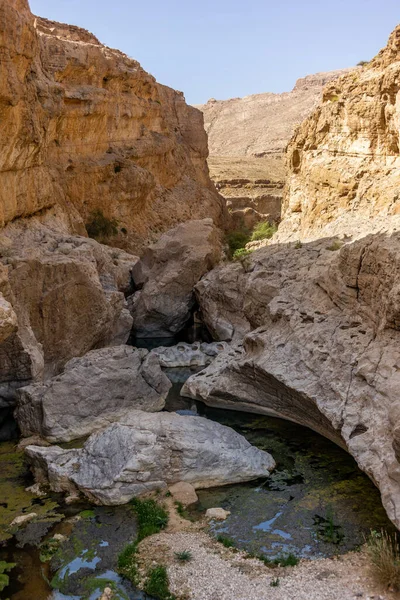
(316, 503)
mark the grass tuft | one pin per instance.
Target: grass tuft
(184, 556)
(274, 582)
(157, 584)
(225, 541)
(384, 552)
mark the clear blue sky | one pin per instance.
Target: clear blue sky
(231, 48)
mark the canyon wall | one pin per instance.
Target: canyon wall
(247, 141)
(86, 135)
(344, 162)
(85, 128)
(315, 324)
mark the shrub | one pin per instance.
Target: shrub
(384, 553)
(263, 231)
(157, 584)
(237, 240)
(298, 244)
(99, 226)
(361, 63)
(184, 556)
(241, 254)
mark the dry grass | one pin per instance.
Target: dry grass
(384, 553)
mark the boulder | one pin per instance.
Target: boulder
(188, 355)
(184, 493)
(93, 391)
(217, 514)
(167, 273)
(144, 452)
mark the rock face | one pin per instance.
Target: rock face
(85, 128)
(344, 161)
(144, 452)
(167, 273)
(62, 295)
(247, 138)
(92, 392)
(317, 332)
(262, 123)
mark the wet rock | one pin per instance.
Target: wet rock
(144, 452)
(167, 273)
(92, 392)
(188, 355)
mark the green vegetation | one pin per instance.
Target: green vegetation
(99, 226)
(298, 244)
(157, 584)
(241, 254)
(48, 549)
(4, 578)
(362, 63)
(152, 518)
(263, 231)
(274, 582)
(384, 553)
(236, 240)
(87, 514)
(184, 556)
(327, 531)
(225, 541)
(95, 584)
(287, 560)
(180, 508)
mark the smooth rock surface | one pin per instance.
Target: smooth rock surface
(219, 514)
(316, 330)
(92, 392)
(188, 355)
(167, 273)
(144, 452)
(184, 493)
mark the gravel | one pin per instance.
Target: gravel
(217, 573)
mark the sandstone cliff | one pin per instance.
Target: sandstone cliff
(344, 161)
(316, 325)
(84, 127)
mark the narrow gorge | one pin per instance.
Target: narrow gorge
(180, 418)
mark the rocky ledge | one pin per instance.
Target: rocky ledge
(316, 341)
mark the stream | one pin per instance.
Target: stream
(317, 503)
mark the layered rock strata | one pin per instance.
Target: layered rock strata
(145, 452)
(166, 275)
(92, 392)
(316, 338)
(344, 161)
(85, 128)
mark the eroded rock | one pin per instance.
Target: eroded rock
(317, 342)
(188, 355)
(144, 452)
(167, 273)
(92, 392)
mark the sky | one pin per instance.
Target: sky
(229, 48)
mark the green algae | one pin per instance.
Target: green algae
(4, 578)
(14, 499)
